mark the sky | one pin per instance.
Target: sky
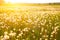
(39, 1)
(30, 1)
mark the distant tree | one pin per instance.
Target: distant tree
(54, 3)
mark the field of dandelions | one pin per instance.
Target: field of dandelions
(30, 23)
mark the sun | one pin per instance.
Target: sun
(12, 1)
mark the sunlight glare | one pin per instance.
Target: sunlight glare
(12, 1)
(31, 1)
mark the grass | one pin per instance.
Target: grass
(30, 23)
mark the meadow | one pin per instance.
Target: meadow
(30, 22)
